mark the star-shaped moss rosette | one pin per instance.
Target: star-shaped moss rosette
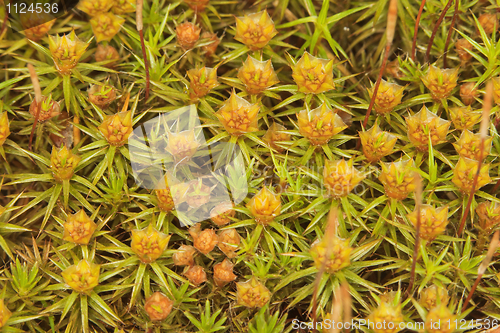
(440, 82)
(319, 125)
(201, 81)
(252, 293)
(117, 128)
(331, 255)
(102, 94)
(95, 7)
(255, 30)
(433, 296)
(105, 26)
(238, 116)
(149, 244)
(257, 75)
(464, 117)
(187, 35)
(79, 228)
(36, 25)
(46, 109)
(124, 6)
(229, 242)
(313, 75)
(182, 145)
(488, 213)
(82, 277)
(433, 221)
(197, 5)
(387, 313)
(469, 145)
(424, 126)
(439, 314)
(377, 143)
(223, 273)
(265, 206)
(389, 96)
(398, 178)
(465, 172)
(340, 177)
(63, 163)
(468, 93)
(203, 240)
(275, 135)
(66, 51)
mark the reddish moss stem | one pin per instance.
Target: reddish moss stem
(38, 101)
(140, 28)
(392, 16)
(483, 133)
(450, 32)
(415, 31)
(436, 27)
(482, 268)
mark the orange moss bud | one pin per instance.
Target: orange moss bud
(462, 46)
(36, 25)
(202, 81)
(164, 196)
(468, 93)
(124, 6)
(398, 178)
(489, 22)
(63, 163)
(433, 296)
(102, 95)
(425, 125)
(229, 241)
(105, 26)
(265, 206)
(255, 30)
(82, 277)
(66, 51)
(320, 125)
(204, 241)
(158, 306)
(433, 221)
(489, 215)
(148, 244)
(5, 314)
(187, 35)
(337, 258)
(4, 127)
(47, 109)
(440, 314)
(211, 44)
(238, 116)
(496, 90)
(117, 128)
(469, 145)
(389, 96)
(107, 53)
(182, 146)
(79, 228)
(383, 315)
(341, 177)
(465, 172)
(252, 293)
(184, 256)
(223, 273)
(313, 75)
(95, 7)
(440, 82)
(257, 75)
(274, 135)
(196, 275)
(197, 5)
(222, 213)
(377, 144)
(463, 117)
